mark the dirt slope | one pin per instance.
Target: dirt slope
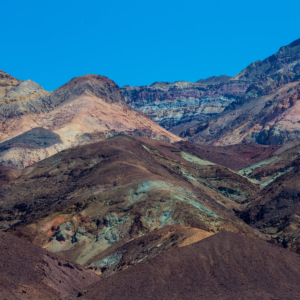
(29, 272)
(224, 266)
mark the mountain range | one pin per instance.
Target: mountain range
(260, 104)
(171, 191)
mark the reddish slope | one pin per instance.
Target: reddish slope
(224, 266)
(29, 272)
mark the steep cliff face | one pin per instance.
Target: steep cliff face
(87, 109)
(177, 105)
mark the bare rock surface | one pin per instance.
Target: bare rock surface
(223, 266)
(180, 105)
(7, 82)
(129, 252)
(23, 91)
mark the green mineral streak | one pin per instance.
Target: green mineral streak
(196, 204)
(276, 176)
(196, 160)
(247, 171)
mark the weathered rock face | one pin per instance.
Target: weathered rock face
(23, 91)
(175, 105)
(84, 200)
(6, 83)
(269, 120)
(87, 109)
(127, 253)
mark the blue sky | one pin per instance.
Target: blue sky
(140, 42)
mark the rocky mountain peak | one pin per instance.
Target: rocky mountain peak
(285, 59)
(23, 91)
(215, 80)
(6, 83)
(97, 85)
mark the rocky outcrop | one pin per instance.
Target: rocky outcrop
(23, 91)
(87, 109)
(286, 59)
(215, 80)
(127, 253)
(7, 82)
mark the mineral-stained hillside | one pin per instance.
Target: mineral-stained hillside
(29, 272)
(86, 199)
(224, 266)
(87, 109)
(269, 120)
(258, 105)
(178, 106)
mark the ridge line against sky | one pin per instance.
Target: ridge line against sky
(138, 43)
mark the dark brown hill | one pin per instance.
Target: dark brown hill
(224, 266)
(30, 272)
